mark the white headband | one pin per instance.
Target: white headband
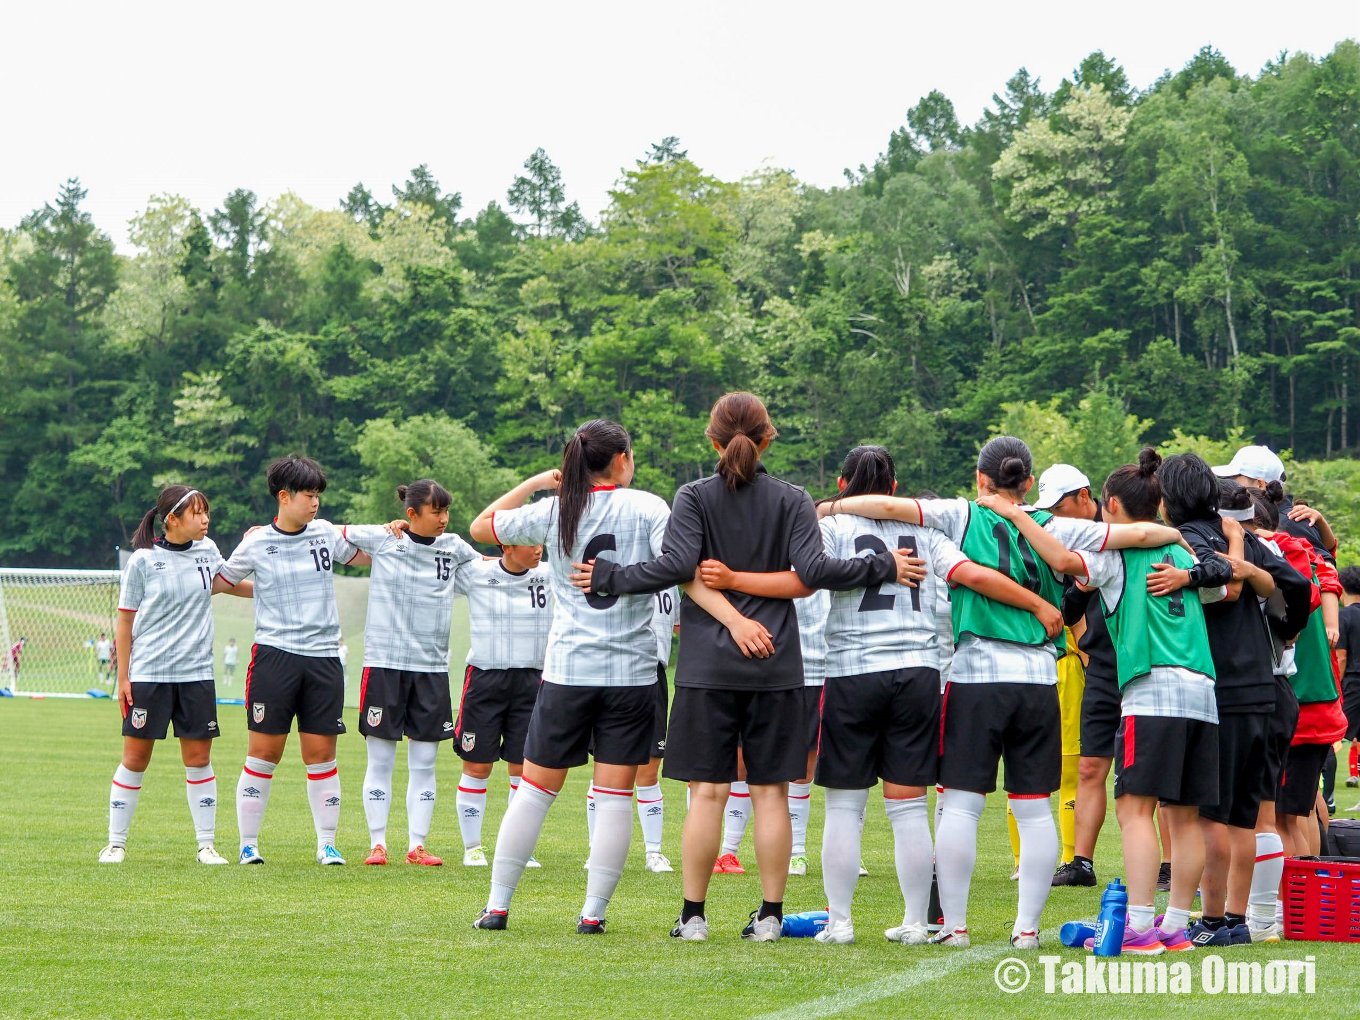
(1248, 514)
(182, 500)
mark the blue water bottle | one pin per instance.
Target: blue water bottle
(804, 925)
(1114, 915)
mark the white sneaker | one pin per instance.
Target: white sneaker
(532, 862)
(1025, 940)
(474, 857)
(693, 930)
(764, 929)
(209, 855)
(908, 934)
(798, 864)
(250, 854)
(863, 871)
(657, 862)
(958, 938)
(1015, 875)
(837, 933)
(1272, 932)
(329, 855)
(112, 854)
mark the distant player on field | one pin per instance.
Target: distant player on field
(103, 653)
(229, 658)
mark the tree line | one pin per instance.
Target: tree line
(1097, 265)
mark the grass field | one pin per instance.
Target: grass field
(162, 936)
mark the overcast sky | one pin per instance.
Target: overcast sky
(200, 98)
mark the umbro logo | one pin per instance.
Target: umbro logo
(427, 795)
(212, 724)
(448, 727)
(471, 812)
(492, 581)
(735, 813)
(271, 549)
(250, 791)
(117, 803)
(652, 812)
(159, 565)
(377, 794)
(207, 802)
(332, 802)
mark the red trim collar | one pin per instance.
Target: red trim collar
(604, 488)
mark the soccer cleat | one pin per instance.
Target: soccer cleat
(1075, 873)
(863, 871)
(1015, 875)
(1271, 932)
(837, 933)
(112, 854)
(250, 854)
(378, 855)
(329, 855)
(492, 920)
(209, 855)
(1218, 938)
(1027, 940)
(908, 934)
(590, 926)
(1175, 941)
(957, 937)
(1164, 877)
(763, 929)
(1331, 805)
(693, 930)
(422, 856)
(657, 862)
(1138, 943)
(728, 864)
(1353, 780)
(474, 857)
(532, 862)
(798, 865)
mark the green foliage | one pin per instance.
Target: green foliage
(1097, 437)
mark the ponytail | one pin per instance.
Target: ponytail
(867, 471)
(145, 535)
(587, 455)
(173, 499)
(1275, 492)
(740, 425)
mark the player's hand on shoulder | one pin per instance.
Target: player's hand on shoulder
(1051, 618)
(251, 531)
(999, 505)
(716, 575)
(583, 575)
(910, 569)
(1166, 579)
(1304, 512)
(547, 481)
(397, 527)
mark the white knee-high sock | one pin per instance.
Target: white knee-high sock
(252, 797)
(1039, 851)
(382, 759)
(515, 842)
(510, 796)
(956, 853)
(913, 854)
(609, 848)
(471, 809)
(651, 809)
(841, 848)
(800, 808)
(590, 817)
(200, 785)
(1265, 879)
(123, 795)
(323, 793)
(736, 815)
(420, 790)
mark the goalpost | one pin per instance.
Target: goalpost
(50, 622)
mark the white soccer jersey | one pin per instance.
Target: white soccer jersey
(886, 626)
(665, 611)
(812, 612)
(294, 586)
(510, 614)
(596, 640)
(982, 660)
(103, 650)
(170, 589)
(944, 632)
(410, 596)
(229, 655)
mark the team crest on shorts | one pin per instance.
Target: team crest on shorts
(138, 718)
(257, 712)
(468, 741)
(375, 715)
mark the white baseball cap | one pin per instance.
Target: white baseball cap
(1254, 462)
(1057, 482)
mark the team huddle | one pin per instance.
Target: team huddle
(868, 637)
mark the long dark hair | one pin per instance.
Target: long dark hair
(425, 492)
(1189, 489)
(587, 453)
(1007, 462)
(1267, 513)
(739, 424)
(1136, 486)
(868, 471)
(174, 499)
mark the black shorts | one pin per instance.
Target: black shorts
(1283, 723)
(660, 710)
(1174, 760)
(1350, 703)
(708, 724)
(494, 713)
(880, 725)
(812, 711)
(982, 723)
(568, 721)
(400, 702)
(1100, 716)
(281, 685)
(1242, 769)
(1299, 784)
(192, 706)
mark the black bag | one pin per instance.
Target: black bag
(1343, 838)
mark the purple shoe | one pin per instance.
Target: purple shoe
(1141, 943)
(1175, 941)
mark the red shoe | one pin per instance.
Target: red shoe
(420, 856)
(728, 864)
(378, 855)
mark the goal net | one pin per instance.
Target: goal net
(51, 622)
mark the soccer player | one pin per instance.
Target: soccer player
(510, 607)
(103, 653)
(404, 690)
(651, 805)
(1348, 654)
(165, 668)
(294, 667)
(230, 654)
(1168, 729)
(1001, 700)
(812, 612)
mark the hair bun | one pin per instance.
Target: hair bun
(401, 492)
(1275, 491)
(1149, 460)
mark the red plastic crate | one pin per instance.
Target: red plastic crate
(1322, 899)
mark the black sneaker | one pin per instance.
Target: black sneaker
(492, 920)
(1075, 873)
(1164, 877)
(589, 926)
(1331, 805)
